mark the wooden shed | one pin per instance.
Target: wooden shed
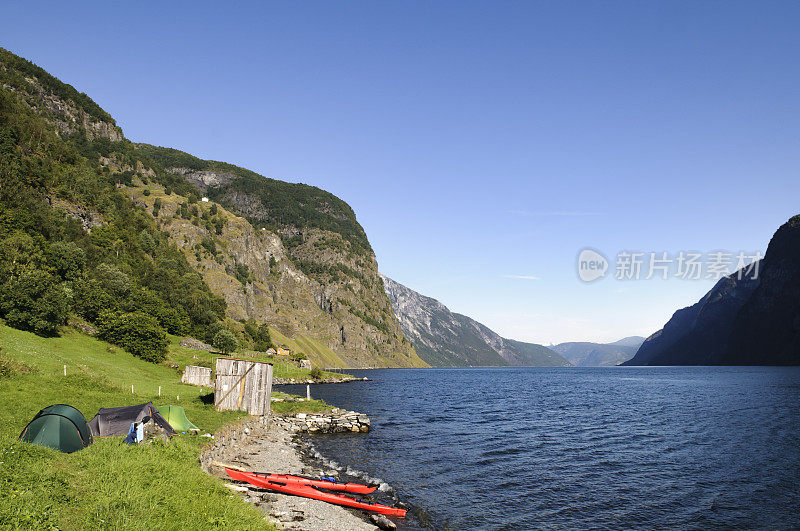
(243, 385)
(195, 375)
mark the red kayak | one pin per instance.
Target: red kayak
(307, 491)
(356, 488)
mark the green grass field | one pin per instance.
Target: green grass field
(109, 484)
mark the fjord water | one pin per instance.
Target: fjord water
(521, 448)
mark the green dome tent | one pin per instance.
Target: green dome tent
(176, 417)
(58, 426)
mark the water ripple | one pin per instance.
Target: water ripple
(602, 448)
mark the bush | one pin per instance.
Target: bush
(242, 273)
(225, 341)
(137, 332)
(316, 373)
(211, 331)
(35, 302)
(91, 300)
(9, 367)
(259, 334)
(67, 259)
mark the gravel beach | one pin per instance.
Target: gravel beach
(273, 450)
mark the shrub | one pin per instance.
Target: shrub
(225, 341)
(212, 330)
(136, 332)
(91, 300)
(9, 367)
(35, 302)
(316, 373)
(67, 259)
(219, 224)
(113, 280)
(242, 273)
(259, 334)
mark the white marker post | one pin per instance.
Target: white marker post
(65, 370)
(308, 392)
(159, 390)
(131, 388)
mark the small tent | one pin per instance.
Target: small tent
(116, 421)
(58, 426)
(176, 417)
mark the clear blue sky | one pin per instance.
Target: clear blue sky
(476, 141)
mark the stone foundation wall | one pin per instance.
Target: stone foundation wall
(336, 421)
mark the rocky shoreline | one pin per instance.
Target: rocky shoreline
(268, 444)
(295, 381)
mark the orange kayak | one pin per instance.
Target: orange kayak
(308, 491)
(356, 488)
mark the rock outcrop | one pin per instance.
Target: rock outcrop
(446, 339)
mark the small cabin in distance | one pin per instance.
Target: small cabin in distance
(283, 351)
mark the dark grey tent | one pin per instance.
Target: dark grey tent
(116, 421)
(58, 426)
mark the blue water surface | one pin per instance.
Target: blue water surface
(566, 448)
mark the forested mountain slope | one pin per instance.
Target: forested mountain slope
(108, 226)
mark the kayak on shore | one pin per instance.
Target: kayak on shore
(301, 487)
(356, 488)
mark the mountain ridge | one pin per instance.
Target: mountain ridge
(589, 354)
(289, 255)
(751, 317)
(448, 339)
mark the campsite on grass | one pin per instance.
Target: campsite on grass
(107, 474)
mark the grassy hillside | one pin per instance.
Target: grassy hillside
(109, 484)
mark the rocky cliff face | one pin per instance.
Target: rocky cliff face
(446, 339)
(324, 280)
(255, 274)
(766, 331)
(287, 254)
(586, 354)
(698, 334)
(741, 321)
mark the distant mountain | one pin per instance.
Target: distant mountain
(698, 335)
(631, 341)
(585, 354)
(446, 339)
(743, 321)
